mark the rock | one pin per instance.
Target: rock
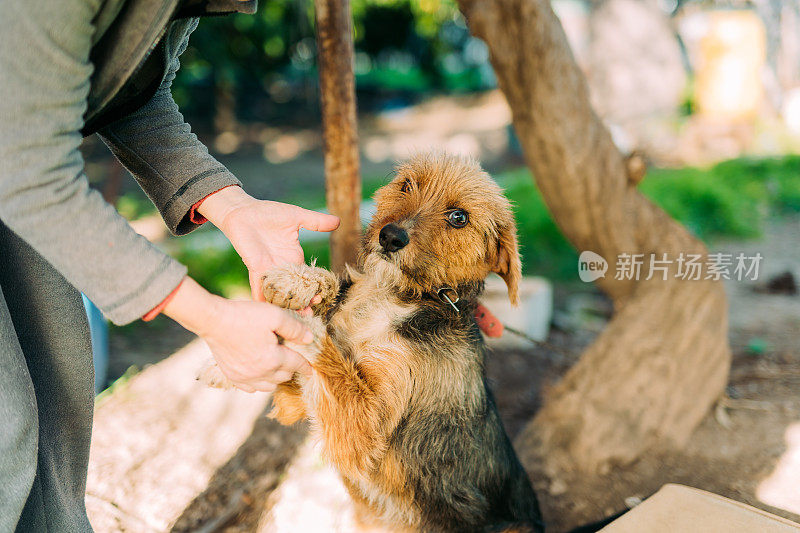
(783, 283)
(632, 501)
(557, 487)
(311, 497)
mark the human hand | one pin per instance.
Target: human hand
(264, 233)
(242, 336)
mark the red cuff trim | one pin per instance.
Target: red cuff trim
(197, 218)
(488, 323)
(154, 312)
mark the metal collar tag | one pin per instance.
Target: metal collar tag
(445, 298)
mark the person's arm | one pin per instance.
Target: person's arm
(264, 233)
(45, 197)
(178, 173)
(250, 356)
(158, 147)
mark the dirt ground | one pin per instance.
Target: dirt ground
(732, 461)
(747, 450)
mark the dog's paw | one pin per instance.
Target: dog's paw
(294, 286)
(211, 376)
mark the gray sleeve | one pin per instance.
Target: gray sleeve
(158, 147)
(44, 194)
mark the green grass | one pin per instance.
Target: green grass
(219, 270)
(134, 205)
(119, 384)
(731, 199)
(544, 249)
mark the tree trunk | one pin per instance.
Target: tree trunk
(338, 104)
(651, 376)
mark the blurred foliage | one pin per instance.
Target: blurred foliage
(267, 60)
(215, 265)
(544, 249)
(688, 103)
(213, 262)
(119, 384)
(730, 199)
(135, 205)
(757, 346)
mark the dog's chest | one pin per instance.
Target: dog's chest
(368, 317)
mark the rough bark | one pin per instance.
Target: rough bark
(652, 375)
(338, 103)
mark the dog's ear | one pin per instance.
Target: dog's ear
(508, 265)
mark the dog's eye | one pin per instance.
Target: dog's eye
(406, 186)
(457, 218)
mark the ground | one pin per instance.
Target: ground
(746, 451)
(732, 457)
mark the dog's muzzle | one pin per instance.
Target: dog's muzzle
(392, 238)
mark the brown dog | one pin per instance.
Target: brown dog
(398, 394)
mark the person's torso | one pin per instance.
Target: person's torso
(135, 41)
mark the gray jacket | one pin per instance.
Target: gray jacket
(45, 73)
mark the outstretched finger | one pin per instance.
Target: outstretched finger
(289, 328)
(315, 221)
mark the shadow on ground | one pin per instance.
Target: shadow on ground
(237, 494)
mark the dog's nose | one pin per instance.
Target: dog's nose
(392, 237)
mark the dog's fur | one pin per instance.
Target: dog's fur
(398, 394)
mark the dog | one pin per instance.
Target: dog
(398, 395)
